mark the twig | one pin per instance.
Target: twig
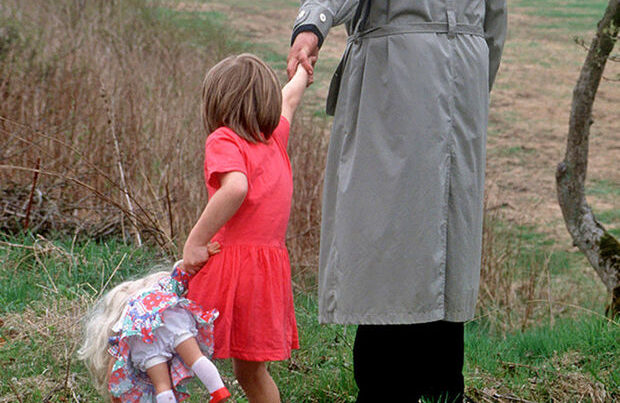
(68, 358)
(512, 398)
(119, 160)
(14, 391)
(611, 321)
(516, 364)
(34, 185)
(15, 245)
(169, 204)
(303, 233)
(52, 393)
(36, 257)
(97, 193)
(113, 273)
(99, 171)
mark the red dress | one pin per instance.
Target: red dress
(249, 281)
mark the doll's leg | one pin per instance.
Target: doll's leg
(160, 377)
(159, 374)
(152, 358)
(182, 326)
(205, 370)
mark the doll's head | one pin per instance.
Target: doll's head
(243, 93)
(98, 326)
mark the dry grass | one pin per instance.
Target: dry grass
(52, 327)
(308, 149)
(79, 77)
(105, 94)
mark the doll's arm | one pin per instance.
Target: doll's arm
(220, 208)
(293, 91)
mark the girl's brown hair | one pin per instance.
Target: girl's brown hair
(243, 93)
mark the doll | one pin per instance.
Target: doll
(143, 339)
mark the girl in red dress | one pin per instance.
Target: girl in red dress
(249, 181)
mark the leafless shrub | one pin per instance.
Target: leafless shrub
(307, 150)
(514, 288)
(74, 73)
(106, 95)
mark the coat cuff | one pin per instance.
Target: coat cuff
(315, 19)
(306, 28)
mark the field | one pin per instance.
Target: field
(103, 97)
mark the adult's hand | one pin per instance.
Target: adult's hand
(304, 51)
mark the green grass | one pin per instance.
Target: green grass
(575, 16)
(519, 152)
(63, 268)
(537, 364)
(609, 192)
(603, 187)
(201, 29)
(41, 331)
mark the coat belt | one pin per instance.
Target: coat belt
(450, 28)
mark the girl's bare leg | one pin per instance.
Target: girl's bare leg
(160, 377)
(256, 382)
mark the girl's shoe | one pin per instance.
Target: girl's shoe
(220, 395)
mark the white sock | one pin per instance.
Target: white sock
(166, 397)
(206, 371)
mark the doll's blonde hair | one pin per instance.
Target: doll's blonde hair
(99, 322)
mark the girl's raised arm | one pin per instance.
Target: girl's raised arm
(221, 207)
(293, 91)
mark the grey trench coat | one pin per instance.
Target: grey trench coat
(403, 193)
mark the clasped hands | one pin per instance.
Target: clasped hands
(304, 51)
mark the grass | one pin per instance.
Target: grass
(40, 333)
(603, 187)
(538, 335)
(608, 192)
(559, 353)
(33, 264)
(564, 15)
(573, 360)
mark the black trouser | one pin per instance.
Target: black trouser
(407, 362)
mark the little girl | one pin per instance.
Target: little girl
(143, 339)
(249, 181)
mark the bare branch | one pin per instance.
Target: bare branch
(600, 247)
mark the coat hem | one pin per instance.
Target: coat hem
(395, 318)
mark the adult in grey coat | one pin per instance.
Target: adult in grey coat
(403, 193)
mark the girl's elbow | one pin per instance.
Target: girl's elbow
(241, 191)
(238, 190)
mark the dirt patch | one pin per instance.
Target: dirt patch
(529, 122)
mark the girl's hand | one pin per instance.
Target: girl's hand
(196, 256)
(221, 206)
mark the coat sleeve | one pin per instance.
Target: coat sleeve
(495, 25)
(319, 16)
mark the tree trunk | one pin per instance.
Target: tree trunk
(600, 247)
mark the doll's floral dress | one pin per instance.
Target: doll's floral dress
(142, 316)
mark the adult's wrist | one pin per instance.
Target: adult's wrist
(308, 28)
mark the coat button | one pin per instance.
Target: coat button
(322, 17)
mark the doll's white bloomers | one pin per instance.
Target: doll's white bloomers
(153, 324)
